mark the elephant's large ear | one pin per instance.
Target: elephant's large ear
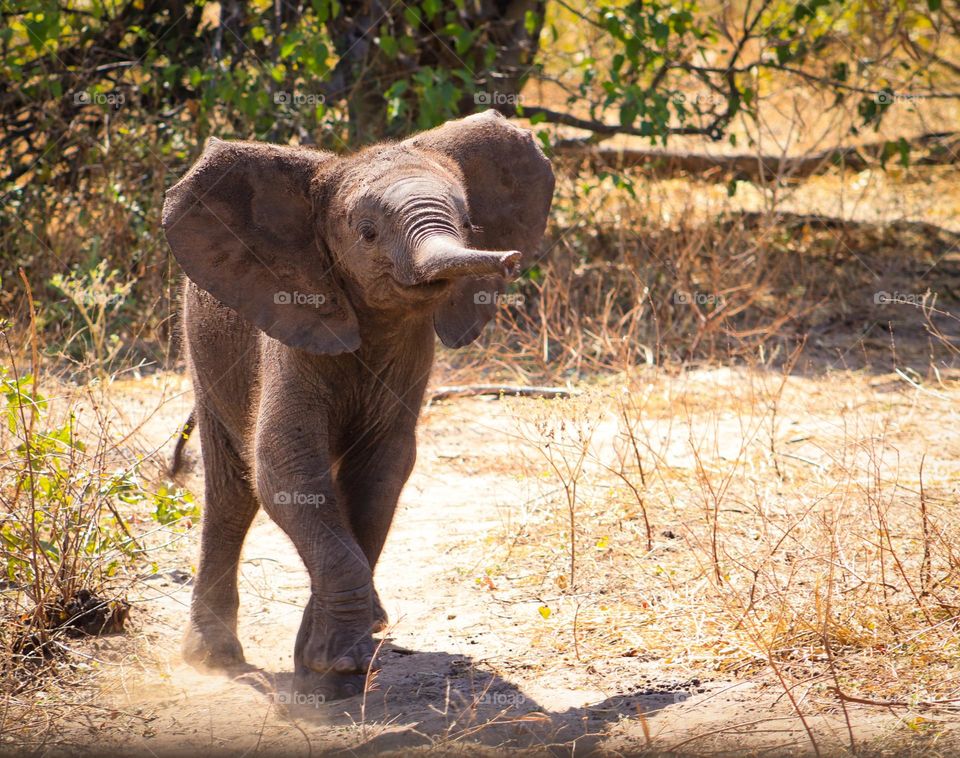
(509, 189)
(241, 224)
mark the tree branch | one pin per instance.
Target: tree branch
(551, 116)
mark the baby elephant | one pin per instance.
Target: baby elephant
(315, 286)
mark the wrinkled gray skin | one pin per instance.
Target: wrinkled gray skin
(316, 285)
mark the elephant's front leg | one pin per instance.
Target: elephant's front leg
(370, 477)
(334, 647)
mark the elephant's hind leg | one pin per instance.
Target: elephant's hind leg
(228, 509)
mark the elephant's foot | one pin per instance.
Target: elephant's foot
(313, 688)
(340, 648)
(334, 647)
(380, 619)
(212, 647)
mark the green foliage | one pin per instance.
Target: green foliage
(173, 505)
(660, 67)
(62, 530)
(96, 295)
(678, 67)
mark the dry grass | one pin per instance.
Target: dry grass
(748, 523)
(680, 274)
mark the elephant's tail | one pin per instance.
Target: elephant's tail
(177, 462)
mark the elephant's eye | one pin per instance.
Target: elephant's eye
(367, 230)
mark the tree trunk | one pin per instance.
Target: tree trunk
(365, 72)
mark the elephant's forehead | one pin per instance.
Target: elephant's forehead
(398, 190)
(397, 162)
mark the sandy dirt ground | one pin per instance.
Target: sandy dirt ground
(458, 672)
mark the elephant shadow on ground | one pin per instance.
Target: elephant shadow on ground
(422, 698)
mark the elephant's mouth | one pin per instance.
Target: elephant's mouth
(434, 287)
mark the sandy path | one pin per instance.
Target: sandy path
(458, 672)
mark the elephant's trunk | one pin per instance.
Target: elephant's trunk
(440, 258)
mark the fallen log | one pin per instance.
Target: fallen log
(472, 390)
(930, 149)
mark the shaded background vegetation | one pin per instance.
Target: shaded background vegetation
(104, 105)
